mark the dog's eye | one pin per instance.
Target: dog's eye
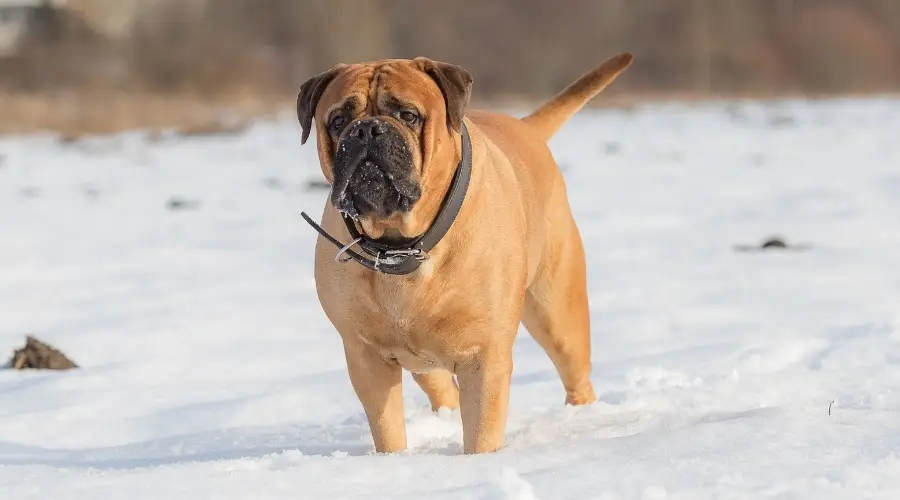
(409, 117)
(337, 122)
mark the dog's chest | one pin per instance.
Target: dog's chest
(409, 330)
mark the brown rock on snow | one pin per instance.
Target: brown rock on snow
(37, 355)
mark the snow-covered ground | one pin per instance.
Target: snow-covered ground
(208, 370)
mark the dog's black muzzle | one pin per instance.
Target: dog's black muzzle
(373, 171)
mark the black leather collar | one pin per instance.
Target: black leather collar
(390, 259)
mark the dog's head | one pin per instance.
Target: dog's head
(388, 137)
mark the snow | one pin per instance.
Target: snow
(208, 369)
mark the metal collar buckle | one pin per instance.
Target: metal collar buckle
(394, 257)
(417, 253)
(381, 257)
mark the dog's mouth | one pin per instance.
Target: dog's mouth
(369, 187)
(373, 171)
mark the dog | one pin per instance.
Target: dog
(444, 229)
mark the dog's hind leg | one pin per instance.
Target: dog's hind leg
(440, 387)
(556, 310)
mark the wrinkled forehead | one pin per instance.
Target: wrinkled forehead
(380, 85)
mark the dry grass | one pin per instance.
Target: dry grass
(100, 113)
(76, 116)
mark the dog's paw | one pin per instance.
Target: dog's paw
(582, 396)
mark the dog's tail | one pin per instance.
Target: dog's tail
(548, 118)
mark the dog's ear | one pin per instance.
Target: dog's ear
(308, 98)
(456, 85)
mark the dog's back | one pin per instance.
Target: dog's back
(522, 143)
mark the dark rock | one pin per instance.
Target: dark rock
(773, 243)
(176, 203)
(317, 184)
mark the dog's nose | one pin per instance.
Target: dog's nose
(367, 130)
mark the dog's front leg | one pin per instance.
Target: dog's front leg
(484, 398)
(378, 385)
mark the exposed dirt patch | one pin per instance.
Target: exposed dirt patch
(37, 355)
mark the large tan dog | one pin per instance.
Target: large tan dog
(406, 158)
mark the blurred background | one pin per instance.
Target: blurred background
(86, 66)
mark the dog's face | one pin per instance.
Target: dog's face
(388, 135)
